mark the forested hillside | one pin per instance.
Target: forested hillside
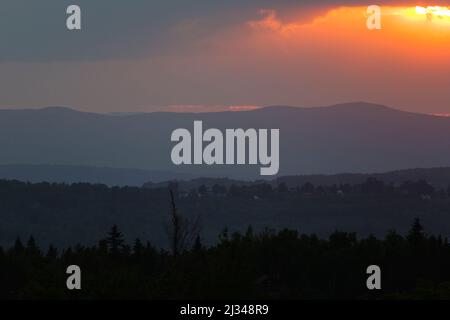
(81, 213)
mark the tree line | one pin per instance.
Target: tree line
(372, 186)
(266, 265)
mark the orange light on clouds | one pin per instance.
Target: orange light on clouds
(416, 32)
(209, 108)
(243, 108)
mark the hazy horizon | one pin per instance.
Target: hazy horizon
(213, 109)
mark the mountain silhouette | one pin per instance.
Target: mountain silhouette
(353, 137)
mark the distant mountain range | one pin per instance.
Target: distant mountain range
(86, 174)
(353, 137)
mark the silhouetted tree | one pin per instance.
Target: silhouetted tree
(198, 246)
(114, 240)
(138, 247)
(52, 252)
(416, 235)
(181, 231)
(31, 247)
(18, 246)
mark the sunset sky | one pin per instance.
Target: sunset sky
(210, 55)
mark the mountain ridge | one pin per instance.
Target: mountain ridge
(345, 105)
(353, 137)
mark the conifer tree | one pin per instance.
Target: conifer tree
(115, 240)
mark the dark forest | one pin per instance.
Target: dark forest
(270, 263)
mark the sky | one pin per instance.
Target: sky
(210, 55)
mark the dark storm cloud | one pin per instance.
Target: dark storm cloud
(117, 29)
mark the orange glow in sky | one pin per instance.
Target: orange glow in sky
(408, 32)
(433, 11)
(431, 14)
